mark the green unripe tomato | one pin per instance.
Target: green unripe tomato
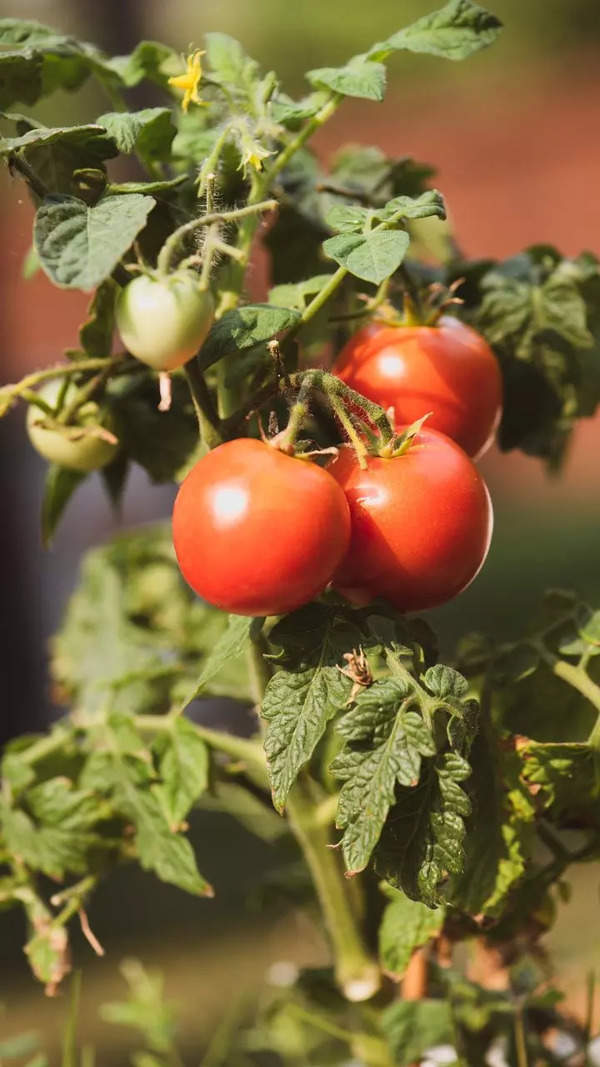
(163, 321)
(61, 445)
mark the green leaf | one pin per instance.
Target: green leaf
(233, 642)
(229, 63)
(297, 294)
(168, 855)
(300, 701)
(423, 840)
(96, 333)
(149, 59)
(39, 60)
(47, 952)
(359, 77)
(54, 849)
(65, 135)
(569, 777)
(457, 30)
(243, 328)
(348, 218)
(371, 257)
(500, 831)
(149, 131)
(291, 113)
(79, 246)
(413, 1027)
(430, 203)
(183, 767)
(386, 742)
(406, 925)
(20, 78)
(59, 487)
(134, 637)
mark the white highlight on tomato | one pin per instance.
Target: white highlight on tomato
(229, 503)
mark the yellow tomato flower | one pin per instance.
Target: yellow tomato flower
(190, 81)
(253, 156)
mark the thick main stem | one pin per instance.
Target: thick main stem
(356, 972)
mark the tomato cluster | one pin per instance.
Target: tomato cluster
(259, 532)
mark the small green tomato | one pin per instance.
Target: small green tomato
(63, 445)
(163, 321)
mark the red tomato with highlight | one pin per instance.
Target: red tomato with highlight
(421, 523)
(447, 369)
(257, 532)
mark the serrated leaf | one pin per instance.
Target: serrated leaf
(299, 702)
(168, 855)
(244, 328)
(457, 30)
(183, 768)
(386, 742)
(362, 78)
(371, 257)
(78, 245)
(150, 131)
(413, 1027)
(59, 487)
(53, 849)
(423, 840)
(233, 642)
(406, 925)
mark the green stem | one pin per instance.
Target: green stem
(58, 371)
(18, 162)
(350, 430)
(520, 1042)
(357, 974)
(319, 300)
(313, 124)
(237, 747)
(578, 678)
(206, 415)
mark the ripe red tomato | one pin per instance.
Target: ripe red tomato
(421, 523)
(257, 532)
(447, 369)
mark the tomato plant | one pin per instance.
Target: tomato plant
(447, 369)
(426, 803)
(257, 532)
(421, 523)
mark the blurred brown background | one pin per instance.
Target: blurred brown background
(513, 134)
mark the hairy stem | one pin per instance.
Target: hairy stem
(170, 248)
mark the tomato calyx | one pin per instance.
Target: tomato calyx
(403, 441)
